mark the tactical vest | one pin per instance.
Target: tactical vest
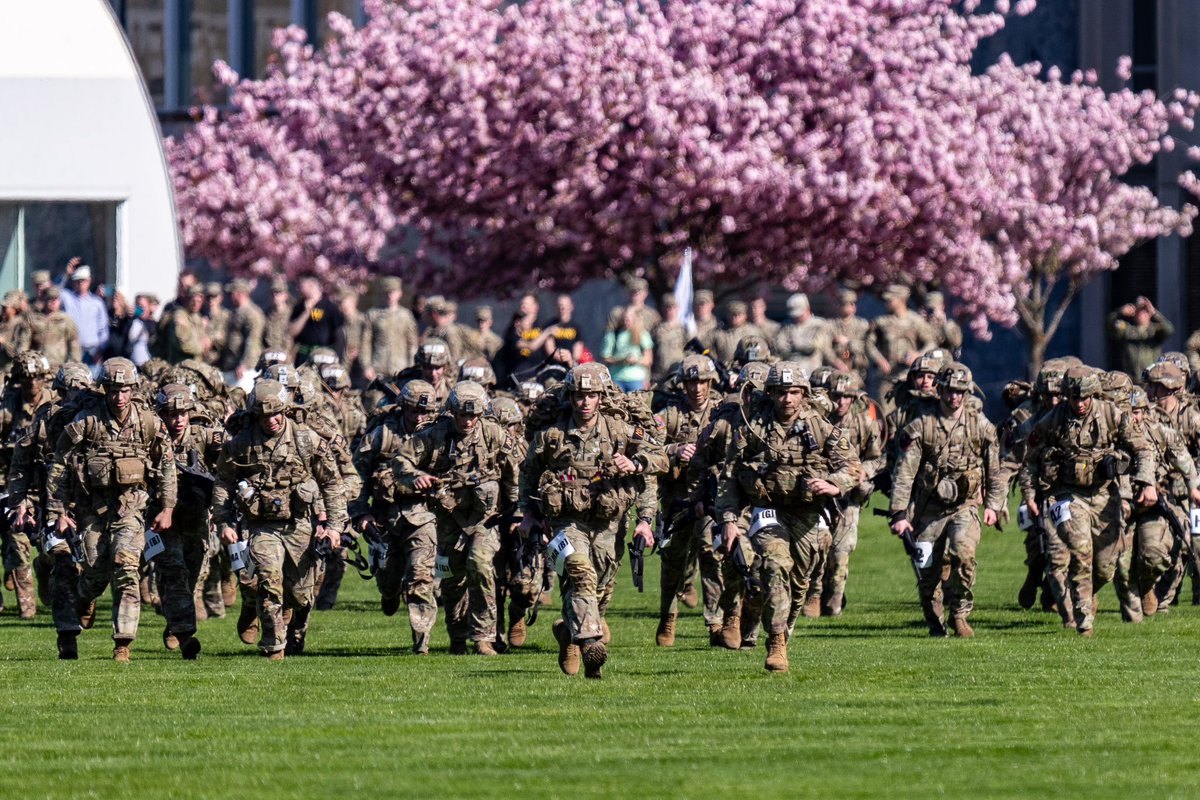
(118, 464)
(280, 484)
(579, 480)
(775, 465)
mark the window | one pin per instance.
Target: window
(347, 8)
(1145, 45)
(144, 26)
(209, 43)
(268, 15)
(45, 235)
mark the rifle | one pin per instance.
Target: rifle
(1177, 530)
(910, 544)
(637, 562)
(753, 584)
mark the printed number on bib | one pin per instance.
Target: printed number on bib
(559, 548)
(154, 545)
(1024, 518)
(924, 556)
(763, 518)
(1195, 514)
(441, 567)
(51, 541)
(239, 557)
(1060, 512)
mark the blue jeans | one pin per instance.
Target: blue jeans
(630, 386)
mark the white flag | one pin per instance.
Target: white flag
(683, 294)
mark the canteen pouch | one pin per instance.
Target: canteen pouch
(1081, 472)
(306, 493)
(99, 472)
(383, 480)
(967, 485)
(550, 489)
(577, 497)
(129, 471)
(946, 490)
(274, 504)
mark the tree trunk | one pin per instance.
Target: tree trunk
(1038, 341)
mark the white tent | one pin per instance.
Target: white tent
(82, 169)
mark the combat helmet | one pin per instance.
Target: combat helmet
(72, 376)
(956, 377)
(696, 367)
(268, 398)
(32, 365)
(419, 395)
(433, 353)
(1164, 374)
(1080, 383)
(506, 411)
(590, 377)
(785, 374)
(752, 347)
(468, 397)
(118, 372)
(175, 397)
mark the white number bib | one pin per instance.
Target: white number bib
(154, 545)
(558, 549)
(1024, 518)
(239, 557)
(924, 556)
(1195, 514)
(1060, 512)
(763, 518)
(51, 541)
(441, 567)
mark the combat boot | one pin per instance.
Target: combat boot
(777, 656)
(812, 605)
(8, 580)
(170, 640)
(1027, 594)
(485, 648)
(1149, 603)
(420, 643)
(274, 655)
(201, 610)
(962, 629)
(389, 605)
(689, 597)
(731, 632)
(665, 635)
(189, 648)
(594, 654)
(516, 627)
(121, 650)
(87, 613)
(714, 635)
(568, 651)
(68, 645)
(606, 636)
(229, 590)
(458, 647)
(247, 624)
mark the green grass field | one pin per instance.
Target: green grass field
(871, 708)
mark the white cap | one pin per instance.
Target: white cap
(83, 272)
(797, 303)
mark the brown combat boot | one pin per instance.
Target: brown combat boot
(1088, 632)
(517, 632)
(170, 640)
(1149, 603)
(276, 655)
(594, 654)
(201, 610)
(87, 614)
(247, 624)
(714, 635)
(689, 597)
(606, 636)
(485, 648)
(665, 635)
(8, 581)
(229, 590)
(963, 629)
(26, 592)
(777, 656)
(568, 651)
(121, 650)
(731, 632)
(812, 606)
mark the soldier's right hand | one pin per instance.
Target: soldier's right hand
(229, 535)
(65, 523)
(365, 521)
(901, 527)
(730, 533)
(423, 483)
(21, 516)
(685, 452)
(1034, 511)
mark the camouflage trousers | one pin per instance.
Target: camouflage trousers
(1155, 547)
(524, 581)
(179, 570)
(587, 573)
(1125, 579)
(286, 571)
(1083, 550)
(787, 554)
(1182, 557)
(114, 543)
(18, 560)
(685, 548)
(468, 579)
(837, 563)
(738, 599)
(409, 570)
(953, 536)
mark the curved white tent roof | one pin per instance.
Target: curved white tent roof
(82, 169)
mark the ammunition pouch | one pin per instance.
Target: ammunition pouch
(775, 488)
(550, 490)
(383, 485)
(306, 494)
(270, 504)
(98, 471)
(1079, 472)
(129, 471)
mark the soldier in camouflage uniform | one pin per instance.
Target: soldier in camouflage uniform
(853, 413)
(404, 518)
(184, 331)
(806, 340)
(181, 569)
(1156, 539)
(1165, 387)
(581, 474)
(16, 333)
(783, 466)
(520, 565)
(456, 462)
(22, 398)
(276, 335)
(27, 481)
(669, 337)
(1074, 450)
(949, 465)
(243, 334)
(277, 480)
(118, 453)
(216, 322)
(54, 333)
(895, 339)
(390, 335)
(848, 332)
(684, 418)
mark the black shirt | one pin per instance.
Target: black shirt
(324, 321)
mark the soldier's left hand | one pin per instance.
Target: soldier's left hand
(644, 532)
(624, 464)
(990, 517)
(1195, 495)
(823, 488)
(162, 521)
(1148, 496)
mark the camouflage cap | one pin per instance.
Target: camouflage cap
(935, 300)
(175, 397)
(419, 395)
(752, 348)
(897, 291)
(390, 283)
(1080, 383)
(72, 376)
(956, 377)
(696, 367)
(702, 296)
(195, 290)
(52, 292)
(468, 397)
(214, 289)
(240, 285)
(1166, 375)
(14, 298)
(39, 276)
(786, 374)
(797, 304)
(506, 411)
(590, 377)
(433, 353)
(847, 296)
(118, 372)
(483, 313)
(268, 398)
(280, 286)
(737, 308)
(32, 365)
